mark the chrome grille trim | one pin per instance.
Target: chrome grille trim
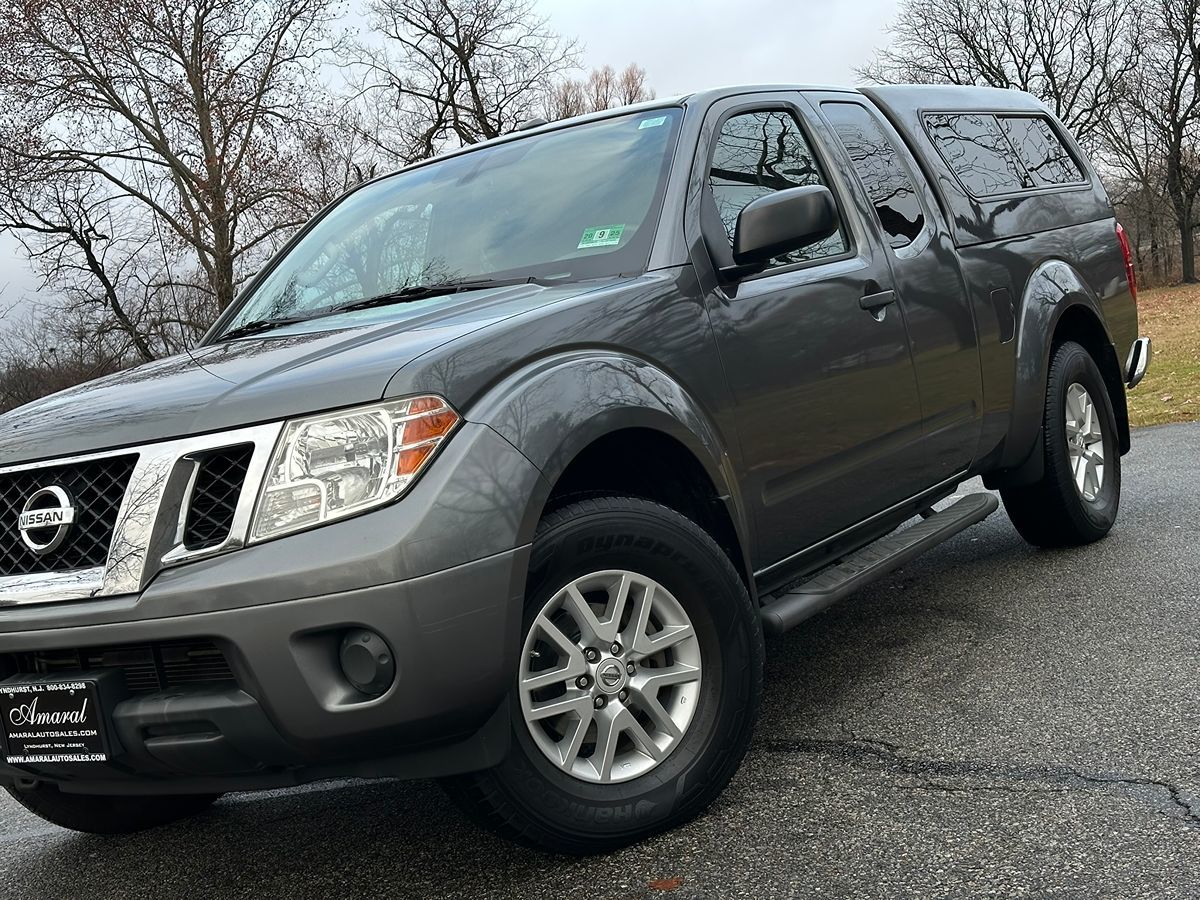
(148, 536)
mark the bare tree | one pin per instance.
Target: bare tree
(185, 109)
(1155, 129)
(604, 88)
(457, 71)
(1075, 55)
(83, 241)
(1150, 223)
(565, 99)
(48, 350)
(338, 154)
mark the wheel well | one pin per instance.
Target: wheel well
(1080, 324)
(641, 462)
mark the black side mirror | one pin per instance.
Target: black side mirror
(783, 221)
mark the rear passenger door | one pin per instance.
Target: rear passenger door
(928, 276)
(825, 393)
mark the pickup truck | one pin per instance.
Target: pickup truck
(503, 467)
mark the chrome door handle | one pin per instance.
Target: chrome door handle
(874, 302)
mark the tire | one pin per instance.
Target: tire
(671, 566)
(1055, 511)
(97, 814)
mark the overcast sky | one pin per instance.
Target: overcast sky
(684, 45)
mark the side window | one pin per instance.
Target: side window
(975, 148)
(878, 164)
(1041, 151)
(759, 153)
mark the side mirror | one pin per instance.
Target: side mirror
(783, 221)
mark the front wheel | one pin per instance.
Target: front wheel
(1076, 500)
(638, 685)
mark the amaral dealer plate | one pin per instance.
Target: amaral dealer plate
(52, 722)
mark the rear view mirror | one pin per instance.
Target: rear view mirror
(783, 221)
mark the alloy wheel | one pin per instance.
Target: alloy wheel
(610, 676)
(1085, 442)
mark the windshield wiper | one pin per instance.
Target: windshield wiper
(421, 291)
(258, 326)
(403, 295)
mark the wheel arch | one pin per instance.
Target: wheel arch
(1057, 306)
(1081, 324)
(601, 421)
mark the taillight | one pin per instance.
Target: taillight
(1123, 240)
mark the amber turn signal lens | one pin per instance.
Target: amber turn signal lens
(408, 462)
(431, 421)
(430, 426)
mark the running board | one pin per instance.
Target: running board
(872, 562)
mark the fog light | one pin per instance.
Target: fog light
(367, 661)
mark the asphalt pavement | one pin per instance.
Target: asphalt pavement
(990, 720)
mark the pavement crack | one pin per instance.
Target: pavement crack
(933, 774)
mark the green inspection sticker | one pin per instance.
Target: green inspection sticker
(652, 123)
(604, 236)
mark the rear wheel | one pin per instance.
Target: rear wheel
(638, 684)
(97, 814)
(1077, 498)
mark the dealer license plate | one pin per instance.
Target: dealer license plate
(52, 722)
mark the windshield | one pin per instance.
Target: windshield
(577, 203)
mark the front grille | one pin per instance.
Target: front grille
(96, 488)
(215, 495)
(148, 668)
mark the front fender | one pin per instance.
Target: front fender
(554, 408)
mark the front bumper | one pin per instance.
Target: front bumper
(293, 717)
(439, 575)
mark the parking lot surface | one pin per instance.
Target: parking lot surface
(990, 720)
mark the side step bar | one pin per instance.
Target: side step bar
(872, 562)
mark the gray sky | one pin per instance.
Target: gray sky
(685, 45)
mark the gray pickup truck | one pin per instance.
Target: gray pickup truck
(501, 470)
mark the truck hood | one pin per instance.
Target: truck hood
(292, 371)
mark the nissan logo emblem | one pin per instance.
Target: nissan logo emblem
(610, 674)
(46, 519)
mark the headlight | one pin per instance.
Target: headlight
(334, 465)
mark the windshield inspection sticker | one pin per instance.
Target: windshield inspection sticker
(605, 236)
(652, 123)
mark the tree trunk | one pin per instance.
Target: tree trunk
(1188, 251)
(221, 277)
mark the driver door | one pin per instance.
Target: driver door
(814, 347)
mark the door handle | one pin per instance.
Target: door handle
(875, 302)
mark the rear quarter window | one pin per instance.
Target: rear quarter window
(977, 151)
(1041, 150)
(999, 154)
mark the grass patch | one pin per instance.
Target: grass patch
(1170, 392)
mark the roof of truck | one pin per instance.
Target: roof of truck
(926, 96)
(735, 89)
(953, 97)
